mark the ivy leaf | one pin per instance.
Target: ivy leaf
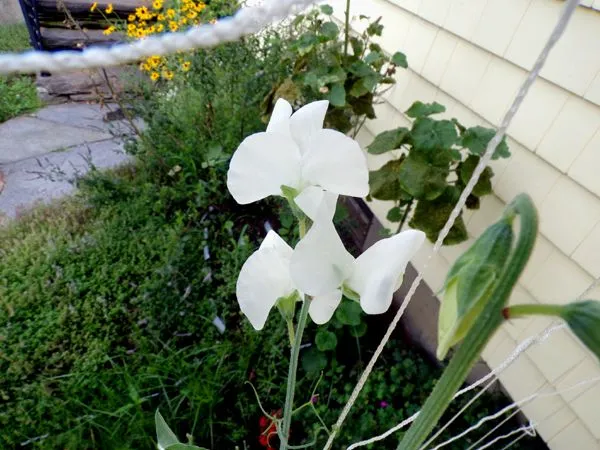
(327, 10)
(430, 216)
(395, 214)
(337, 95)
(477, 138)
(325, 340)
(420, 109)
(421, 179)
(388, 140)
(361, 69)
(373, 57)
(359, 330)
(313, 360)
(364, 85)
(429, 134)
(329, 30)
(385, 183)
(349, 313)
(484, 184)
(399, 59)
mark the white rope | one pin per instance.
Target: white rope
(526, 429)
(493, 430)
(559, 29)
(522, 347)
(514, 441)
(245, 21)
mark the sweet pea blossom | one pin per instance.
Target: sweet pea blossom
(298, 153)
(320, 266)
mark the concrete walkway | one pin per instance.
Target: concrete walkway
(42, 154)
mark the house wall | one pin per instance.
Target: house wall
(472, 56)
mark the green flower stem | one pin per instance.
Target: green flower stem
(291, 384)
(484, 327)
(347, 29)
(513, 312)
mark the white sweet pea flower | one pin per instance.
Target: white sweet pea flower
(297, 152)
(320, 266)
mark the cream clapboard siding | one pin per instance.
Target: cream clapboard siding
(471, 56)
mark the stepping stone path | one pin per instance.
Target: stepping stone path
(42, 154)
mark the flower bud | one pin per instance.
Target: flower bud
(470, 282)
(584, 320)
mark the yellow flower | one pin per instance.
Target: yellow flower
(110, 30)
(157, 4)
(131, 17)
(170, 13)
(167, 74)
(192, 15)
(141, 11)
(146, 67)
(200, 7)
(140, 33)
(160, 17)
(94, 6)
(131, 27)
(154, 76)
(183, 21)
(154, 61)
(173, 26)
(109, 9)
(160, 28)
(186, 66)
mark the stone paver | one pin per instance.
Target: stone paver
(41, 155)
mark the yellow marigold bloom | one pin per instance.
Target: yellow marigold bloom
(109, 9)
(110, 30)
(183, 21)
(154, 76)
(186, 66)
(192, 15)
(131, 28)
(160, 28)
(94, 6)
(160, 17)
(170, 13)
(157, 4)
(200, 7)
(141, 11)
(154, 60)
(173, 26)
(131, 18)
(167, 74)
(140, 33)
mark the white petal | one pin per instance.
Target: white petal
(322, 307)
(307, 122)
(337, 164)
(261, 164)
(280, 118)
(264, 277)
(378, 271)
(315, 202)
(320, 262)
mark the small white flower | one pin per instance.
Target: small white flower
(297, 152)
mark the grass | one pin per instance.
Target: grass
(18, 94)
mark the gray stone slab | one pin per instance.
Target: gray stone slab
(53, 175)
(26, 137)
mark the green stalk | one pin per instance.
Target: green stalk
(484, 327)
(291, 383)
(347, 29)
(517, 311)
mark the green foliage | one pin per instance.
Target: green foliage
(321, 62)
(584, 318)
(436, 159)
(17, 93)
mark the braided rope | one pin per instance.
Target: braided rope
(246, 21)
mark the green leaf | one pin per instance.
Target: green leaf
(359, 330)
(361, 69)
(429, 134)
(395, 214)
(421, 179)
(375, 28)
(484, 184)
(399, 59)
(164, 435)
(584, 320)
(420, 109)
(373, 57)
(325, 340)
(337, 95)
(330, 30)
(477, 138)
(388, 140)
(357, 45)
(313, 360)
(430, 216)
(363, 105)
(349, 313)
(385, 184)
(327, 10)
